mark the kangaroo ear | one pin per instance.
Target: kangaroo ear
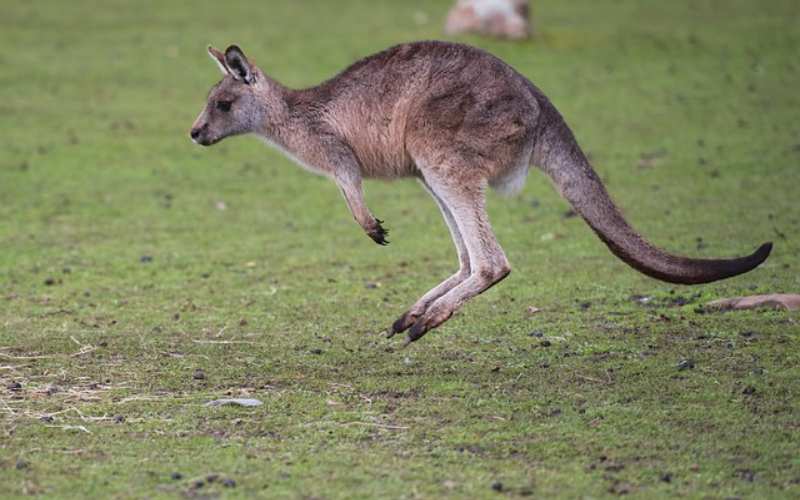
(238, 65)
(219, 58)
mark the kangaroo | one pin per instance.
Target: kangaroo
(457, 119)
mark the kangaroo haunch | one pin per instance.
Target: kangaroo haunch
(456, 118)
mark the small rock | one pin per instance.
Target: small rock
(620, 488)
(749, 390)
(545, 343)
(199, 375)
(685, 364)
(119, 419)
(497, 486)
(212, 478)
(316, 351)
(22, 464)
(533, 310)
(50, 281)
(746, 474)
(176, 476)
(144, 259)
(229, 483)
(235, 402)
(536, 333)
(666, 477)
(14, 386)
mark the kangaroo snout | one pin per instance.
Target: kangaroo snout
(199, 136)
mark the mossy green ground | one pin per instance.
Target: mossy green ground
(142, 276)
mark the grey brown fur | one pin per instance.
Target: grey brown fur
(459, 120)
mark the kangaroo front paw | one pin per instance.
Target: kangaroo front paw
(378, 233)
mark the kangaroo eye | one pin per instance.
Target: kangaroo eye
(224, 106)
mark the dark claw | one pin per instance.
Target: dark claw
(402, 324)
(418, 329)
(378, 233)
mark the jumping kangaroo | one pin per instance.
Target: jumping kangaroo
(457, 119)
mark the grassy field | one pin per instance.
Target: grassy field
(142, 276)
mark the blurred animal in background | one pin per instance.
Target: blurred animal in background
(497, 18)
(457, 119)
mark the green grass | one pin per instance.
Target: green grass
(689, 111)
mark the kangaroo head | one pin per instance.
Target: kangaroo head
(237, 104)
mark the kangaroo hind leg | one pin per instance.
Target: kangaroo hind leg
(487, 261)
(418, 309)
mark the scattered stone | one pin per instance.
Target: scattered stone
(199, 374)
(685, 364)
(248, 402)
(746, 474)
(144, 259)
(619, 488)
(211, 478)
(50, 281)
(749, 390)
(545, 343)
(536, 333)
(229, 483)
(119, 419)
(22, 464)
(14, 386)
(48, 419)
(316, 351)
(786, 301)
(176, 476)
(497, 486)
(666, 477)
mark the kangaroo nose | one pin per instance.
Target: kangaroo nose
(195, 133)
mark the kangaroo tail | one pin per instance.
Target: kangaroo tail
(558, 155)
